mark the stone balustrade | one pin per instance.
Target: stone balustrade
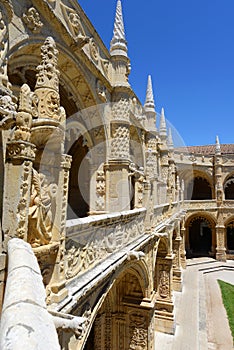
(92, 239)
(207, 204)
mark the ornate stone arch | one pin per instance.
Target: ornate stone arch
(229, 234)
(228, 186)
(126, 289)
(205, 215)
(73, 76)
(228, 220)
(206, 227)
(161, 253)
(199, 179)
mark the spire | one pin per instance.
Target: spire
(163, 127)
(217, 146)
(170, 139)
(149, 100)
(118, 44)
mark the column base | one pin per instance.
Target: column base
(221, 254)
(177, 280)
(164, 317)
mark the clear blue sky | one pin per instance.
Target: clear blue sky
(188, 48)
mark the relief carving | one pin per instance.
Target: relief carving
(101, 91)
(74, 24)
(164, 284)
(32, 20)
(24, 117)
(40, 220)
(7, 111)
(20, 150)
(121, 107)
(120, 141)
(138, 332)
(94, 50)
(47, 84)
(4, 82)
(110, 237)
(100, 190)
(22, 209)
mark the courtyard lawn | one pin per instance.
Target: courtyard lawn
(227, 291)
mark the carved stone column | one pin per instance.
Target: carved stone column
(148, 205)
(17, 189)
(139, 191)
(182, 246)
(164, 173)
(164, 312)
(177, 273)
(57, 284)
(139, 321)
(220, 237)
(171, 181)
(117, 169)
(6, 13)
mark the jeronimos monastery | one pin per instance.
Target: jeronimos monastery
(99, 209)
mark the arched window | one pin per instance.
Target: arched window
(229, 188)
(200, 189)
(200, 236)
(230, 236)
(79, 182)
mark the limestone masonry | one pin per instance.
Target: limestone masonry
(98, 208)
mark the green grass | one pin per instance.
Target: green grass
(227, 291)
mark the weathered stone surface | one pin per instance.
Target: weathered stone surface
(79, 143)
(25, 321)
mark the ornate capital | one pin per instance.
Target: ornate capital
(66, 161)
(19, 150)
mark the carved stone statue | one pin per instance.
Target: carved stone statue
(40, 213)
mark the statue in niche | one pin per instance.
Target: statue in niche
(40, 212)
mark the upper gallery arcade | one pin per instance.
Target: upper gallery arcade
(94, 197)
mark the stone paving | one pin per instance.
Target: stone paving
(201, 321)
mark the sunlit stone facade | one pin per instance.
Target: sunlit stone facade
(94, 198)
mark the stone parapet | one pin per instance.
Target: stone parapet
(25, 322)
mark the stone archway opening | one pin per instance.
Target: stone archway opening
(79, 182)
(229, 189)
(122, 323)
(230, 236)
(200, 231)
(199, 189)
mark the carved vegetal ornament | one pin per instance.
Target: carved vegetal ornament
(47, 85)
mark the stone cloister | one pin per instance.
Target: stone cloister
(98, 207)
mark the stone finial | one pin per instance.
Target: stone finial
(149, 100)
(24, 115)
(47, 84)
(217, 146)
(163, 127)
(118, 43)
(170, 139)
(48, 74)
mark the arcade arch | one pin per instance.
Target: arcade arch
(121, 322)
(200, 235)
(229, 188)
(229, 227)
(198, 185)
